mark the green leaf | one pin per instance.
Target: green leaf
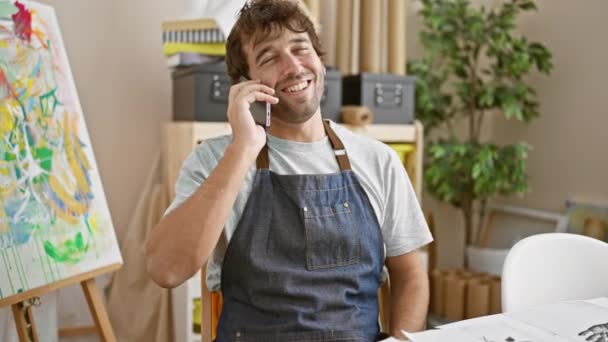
(527, 5)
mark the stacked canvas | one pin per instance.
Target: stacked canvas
(192, 41)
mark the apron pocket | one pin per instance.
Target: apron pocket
(331, 240)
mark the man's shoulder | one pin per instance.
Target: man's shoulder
(359, 143)
(215, 144)
(210, 151)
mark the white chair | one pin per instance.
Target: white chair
(552, 267)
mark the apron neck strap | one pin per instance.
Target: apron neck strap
(262, 162)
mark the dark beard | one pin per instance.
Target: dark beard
(302, 111)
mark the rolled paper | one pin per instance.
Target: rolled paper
(344, 36)
(369, 46)
(357, 115)
(396, 36)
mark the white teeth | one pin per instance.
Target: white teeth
(297, 87)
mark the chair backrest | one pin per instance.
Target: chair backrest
(551, 267)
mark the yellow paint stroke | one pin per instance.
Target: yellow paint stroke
(73, 209)
(3, 221)
(71, 145)
(7, 121)
(79, 151)
(4, 170)
(94, 222)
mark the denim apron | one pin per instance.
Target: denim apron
(305, 261)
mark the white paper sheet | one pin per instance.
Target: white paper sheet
(573, 321)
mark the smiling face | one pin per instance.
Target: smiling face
(289, 63)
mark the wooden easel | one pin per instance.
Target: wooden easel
(22, 303)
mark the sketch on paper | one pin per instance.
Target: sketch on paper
(508, 339)
(568, 321)
(596, 333)
(54, 219)
(575, 321)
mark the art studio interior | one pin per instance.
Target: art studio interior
(299, 170)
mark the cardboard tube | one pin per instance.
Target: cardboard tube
(436, 282)
(478, 298)
(396, 36)
(369, 47)
(343, 36)
(454, 294)
(495, 296)
(357, 115)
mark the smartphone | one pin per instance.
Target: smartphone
(260, 111)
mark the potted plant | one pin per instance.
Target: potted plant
(474, 65)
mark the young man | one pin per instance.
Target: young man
(296, 222)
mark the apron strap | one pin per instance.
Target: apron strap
(338, 146)
(263, 162)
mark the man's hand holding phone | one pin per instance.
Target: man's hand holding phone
(245, 131)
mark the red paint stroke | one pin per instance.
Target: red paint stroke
(23, 22)
(5, 84)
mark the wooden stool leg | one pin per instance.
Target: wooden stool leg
(98, 311)
(24, 322)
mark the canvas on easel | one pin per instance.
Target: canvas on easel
(55, 225)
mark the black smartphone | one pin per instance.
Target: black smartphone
(260, 111)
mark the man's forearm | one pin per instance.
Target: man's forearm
(184, 239)
(409, 296)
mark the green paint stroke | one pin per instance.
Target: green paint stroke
(7, 9)
(6, 267)
(45, 156)
(70, 251)
(26, 280)
(41, 259)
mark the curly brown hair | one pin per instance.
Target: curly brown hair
(261, 20)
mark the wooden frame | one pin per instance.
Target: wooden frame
(24, 320)
(559, 220)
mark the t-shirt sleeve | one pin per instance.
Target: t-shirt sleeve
(404, 226)
(191, 176)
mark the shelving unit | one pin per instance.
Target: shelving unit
(178, 140)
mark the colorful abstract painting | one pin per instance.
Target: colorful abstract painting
(54, 218)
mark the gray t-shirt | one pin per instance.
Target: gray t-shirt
(376, 165)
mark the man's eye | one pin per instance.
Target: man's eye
(301, 49)
(267, 60)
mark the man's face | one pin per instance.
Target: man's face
(291, 66)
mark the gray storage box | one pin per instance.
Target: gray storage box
(390, 97)
(200, 92)
(331, 101)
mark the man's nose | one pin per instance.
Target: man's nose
(291, 65)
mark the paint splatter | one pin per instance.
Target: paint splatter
(23, 22)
